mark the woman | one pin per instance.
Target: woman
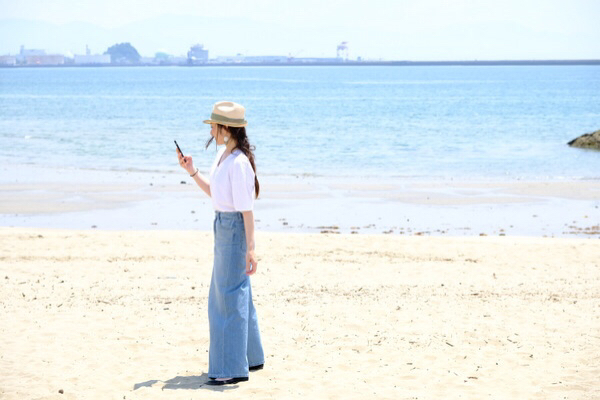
(235, 346)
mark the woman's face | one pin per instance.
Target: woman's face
(217, 132)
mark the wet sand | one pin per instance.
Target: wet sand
(137, 200)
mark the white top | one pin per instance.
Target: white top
(232, 182)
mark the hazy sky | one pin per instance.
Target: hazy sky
(389, 29)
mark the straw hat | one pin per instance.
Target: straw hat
(228, 113)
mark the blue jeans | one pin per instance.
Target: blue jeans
(234, 336)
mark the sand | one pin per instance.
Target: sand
(122, 315)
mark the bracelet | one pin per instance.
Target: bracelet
(194, 174)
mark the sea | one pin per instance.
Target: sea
(417, 122)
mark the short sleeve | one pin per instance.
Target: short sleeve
(242, 184)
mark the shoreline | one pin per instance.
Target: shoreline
(341, 63)
(117, 200)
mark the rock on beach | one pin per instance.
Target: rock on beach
(587, 141)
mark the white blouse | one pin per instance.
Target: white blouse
(232, 182)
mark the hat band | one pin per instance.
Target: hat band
(221, 118)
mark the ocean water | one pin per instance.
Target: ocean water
(464, 122)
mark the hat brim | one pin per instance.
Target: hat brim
(233, 125)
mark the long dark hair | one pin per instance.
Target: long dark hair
(242, 143)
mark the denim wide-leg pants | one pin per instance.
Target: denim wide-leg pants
(235, 343)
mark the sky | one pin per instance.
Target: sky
(374, 29)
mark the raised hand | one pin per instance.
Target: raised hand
(186, 162)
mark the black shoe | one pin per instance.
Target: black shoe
(231, 381)
(257, 367)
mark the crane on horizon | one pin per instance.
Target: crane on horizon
(343, 51)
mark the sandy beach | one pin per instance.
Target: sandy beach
(122, 315)
(367, 288)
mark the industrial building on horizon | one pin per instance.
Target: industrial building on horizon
(32, 57)
(89, 58)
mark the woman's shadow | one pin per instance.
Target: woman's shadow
(193, 382)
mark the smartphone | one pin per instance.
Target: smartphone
(180, 152)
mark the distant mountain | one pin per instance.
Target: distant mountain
(53, 38)
(172, 33)
(223, 36)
